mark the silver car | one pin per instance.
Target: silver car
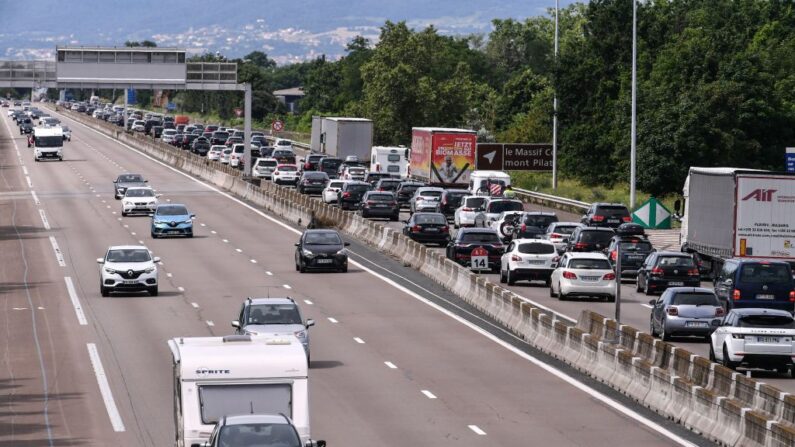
(685, 311)
(426, 199)
(273, 316)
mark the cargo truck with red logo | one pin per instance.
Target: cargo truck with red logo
(737, 213)
(442, 157)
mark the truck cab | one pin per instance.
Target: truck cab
(47, 143)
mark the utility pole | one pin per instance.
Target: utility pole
(555, 108)
(633, 144)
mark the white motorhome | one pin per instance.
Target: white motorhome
(391, 160)
(481, 179)
(237, 375)
(47, 143)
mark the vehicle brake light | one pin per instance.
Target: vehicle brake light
(657, 271)
(719, 312)
(524, 227)
(569, 275)
(307, 166)
(627, 219)
(445, 229)
(598, 218)
(466, 209)
(613, 255)
(609, 276)
(580, 245)
(555, 235)
(792, 296)
(346, 194)
(516, 258)
(416, 229)
(673, 311)
(736, 295)
(693, 272)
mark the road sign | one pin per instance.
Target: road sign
(277, 126)
(238, 112)
(171, 106)
(131, 99)
(479, 259)
(514, 156)
(790, 159)
(489, 156)
(653, 215)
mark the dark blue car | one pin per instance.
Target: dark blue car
(756, 283)
(172, 220)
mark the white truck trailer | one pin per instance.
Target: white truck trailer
(738, 213)
(342, 137)
(237, 375)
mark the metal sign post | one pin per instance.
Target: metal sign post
(247, 130)
(618, 283)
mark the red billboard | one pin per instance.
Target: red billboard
(420, 153)
(453, 157)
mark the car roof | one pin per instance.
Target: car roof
(691, 290)
(320, 230)
(761, 311)
(586, 255)
(476, 230)
(540, 213)
(602, 229)
(674, 253)
(542, 241)
(127, 247)
(245, 419)
(566, 224)
(430, 188)
(167, 205)
(270, 300)
(133, 188)
(758, 261)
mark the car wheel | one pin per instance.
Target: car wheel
(301, 266)
(651, 327)
(154, 236)
(124, 214)
(510, 278)
(637, 285)
(646, 289)
(104, 291)
(726, 362)
(711, 353)
(665, 336)
(502, 277)
(611, 299)
(152, 290)
(189, 235)
(344, 268)
(395, 218)
(561, 295)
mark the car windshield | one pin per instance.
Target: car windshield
(329, 164)
(358, 188)
(381, 197)
(51, 141)
(612, 211)
(536, 248)
(535, 220)
(391, 185)
(288, 168)
(564, 229)
(220, 135)
(454, 198)
(437, 219)
(431, 194)
(408, 189)
(172, 210)
(273, 314)
(475, 202)
(635, 245)
(771, 321)
(676, 261)
(258, 435)
(270, 163)
(502, 206)
(589, 264)
(483, 238)
(315, 175)
(335, 185)
(767, 273)
(240, 149)
(324, 238)
(139, 193)
(284, 143)
(130, 179)
(596, 237)
(695, 299)
(128, 255)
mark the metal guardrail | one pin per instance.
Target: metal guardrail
(563, 201)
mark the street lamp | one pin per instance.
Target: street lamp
(555, 109)
(633, 143)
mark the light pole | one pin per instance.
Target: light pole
(633, 143)
(555, 109)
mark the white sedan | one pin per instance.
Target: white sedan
(139, 200)
(330, 193)
(586, 275)
(465, 214)
(755, 338)
(528, 259)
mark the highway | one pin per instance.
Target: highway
(396, 359)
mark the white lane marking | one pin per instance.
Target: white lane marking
(141, 242)
(253, 261)
(125, 225)
(70, 287)
(647, 305)
(477, 430)
(550, 369)
(119, 219)
(40, 308)
(210, 323)
(269, 273)
(160, 263)
(19, 308)
(203, 224)
(358, 340)
(195, 305)
(169, 274)
(99, 195)
(35, 197)
(308, 302)
(44, 219)
(30, 183)
(181, 289)
(213, 232)
(428, 394)
(226, 241)
(104, 389)
(333, 320)
(113, 212)
(390, 365)
(239, 250)
(57, 250)
(25, 170)
(133, 233)
(287, 286)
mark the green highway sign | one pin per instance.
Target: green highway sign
(653, 215)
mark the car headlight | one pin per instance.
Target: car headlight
(300, 334)
(126, 202)
(343, 252)
(307, 252)
(160, 222)
(150, 270)
(109, 270)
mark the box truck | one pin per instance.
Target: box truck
(237, 375)
(738, 213)
(443, 157)
(342, 137)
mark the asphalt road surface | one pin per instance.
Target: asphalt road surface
(396, 360)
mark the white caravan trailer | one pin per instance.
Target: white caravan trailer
(237, 375)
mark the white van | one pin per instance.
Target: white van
(389, 159)
(481, 179)
(47, 143)
(237, 375)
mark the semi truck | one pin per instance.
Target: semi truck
(442, 157)
(342, 137)
(737, 213)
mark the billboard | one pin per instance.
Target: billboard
(765, 217)
(453, 157)
(421, 153)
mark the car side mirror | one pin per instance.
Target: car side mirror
(312, 443)
(115, 181)
(156, 259)
(297, 244)
(192, 216)
(310, 322)
(347, 244)
(653, 302)
(236, 324)
(100, 260)
(728, 283)
(146, 181)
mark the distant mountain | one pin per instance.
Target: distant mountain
(287, 31)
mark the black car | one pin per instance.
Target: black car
(451, 200)
(157, 131)
(219, 137)
(590, 239)
(321, 249)
(330, 165)
(380, 204)
(150, 124)
(187, 140)
(374, 177)
(266, 151)
(125, 181)
(312, 182)
(311, 162)
(427, 228)
(231, 141)
(467, 239)
(388, 184)
(665, 269)
(25, 128)
(533, 225)
(406, 190)
(351, 193)
(606, 215)
(200, 146)
(634, 248)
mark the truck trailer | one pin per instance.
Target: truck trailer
(442, 157)
(738, 213)
(342, 137)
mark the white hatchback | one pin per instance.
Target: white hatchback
(214, 154)
(528, 259)
(585, 275)
(332, 189)
(470, 207)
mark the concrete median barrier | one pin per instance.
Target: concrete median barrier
(718, 403)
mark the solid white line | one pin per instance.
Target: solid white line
(287, 286)
(25, 170)
(253, 261)
(104, 389)
(195, 305)
(170, 275)
(30, 183)
(239, 250)
(552, 370)
(477, 430)
(358, 340)
(333, 320)
(181, 289)
(35, 197)
(308, 302)
(226, 241)
(57, 250)
(70, 287)
(44, 219)
(269, 273)
(390, 365)
(210, 323)
(428, 394)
